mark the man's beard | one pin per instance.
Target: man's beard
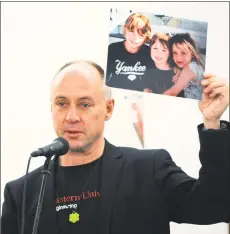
(87, 144)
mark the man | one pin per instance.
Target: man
(100, 188)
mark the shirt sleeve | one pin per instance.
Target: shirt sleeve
(205, 200)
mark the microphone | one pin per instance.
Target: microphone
(59, 147)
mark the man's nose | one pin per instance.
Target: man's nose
(73, 115)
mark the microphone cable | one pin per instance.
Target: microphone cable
(24, 196)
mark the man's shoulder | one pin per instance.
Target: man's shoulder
(17, 184)
(148, 159)
(131, 154)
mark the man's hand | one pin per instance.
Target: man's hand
(215, 100)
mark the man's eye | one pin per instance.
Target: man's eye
(85, 105)
(61, 104)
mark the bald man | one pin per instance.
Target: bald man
(100, 188)
(81, 104)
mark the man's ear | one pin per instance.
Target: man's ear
(109, 108)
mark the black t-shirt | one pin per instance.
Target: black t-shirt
(159, 80)
(73, 195)
(125, 70)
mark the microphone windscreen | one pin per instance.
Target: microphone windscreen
(65, 145)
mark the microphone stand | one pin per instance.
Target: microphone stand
(45, 172)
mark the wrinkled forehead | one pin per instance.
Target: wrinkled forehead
(79, 70)
(77, 77)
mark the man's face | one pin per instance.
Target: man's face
(79, 107)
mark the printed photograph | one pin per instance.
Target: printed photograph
(156, 53)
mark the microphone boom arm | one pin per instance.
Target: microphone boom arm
(45, 173)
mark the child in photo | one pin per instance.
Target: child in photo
(129, 59)
(159, 79)
(186, 58)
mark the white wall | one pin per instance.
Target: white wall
(38, 38)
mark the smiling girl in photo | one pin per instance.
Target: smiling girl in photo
(159, 79)
(186, 58)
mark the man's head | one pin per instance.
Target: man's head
(80, 103)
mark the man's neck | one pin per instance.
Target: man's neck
(75, 159)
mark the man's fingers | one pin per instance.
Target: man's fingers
(207, 75)
(217, 91)
(209, 80)
(214, 85)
